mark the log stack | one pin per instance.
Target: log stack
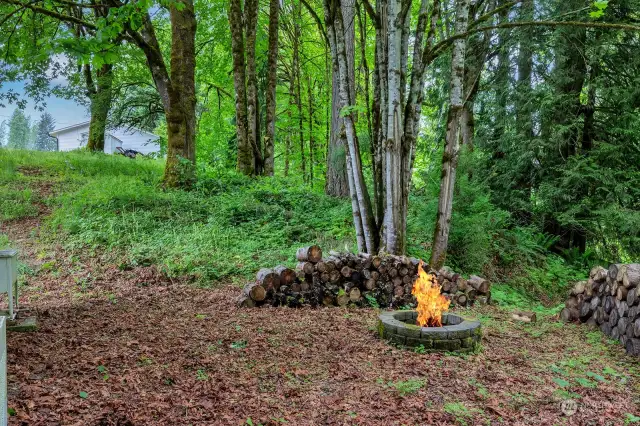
(341, 279)
(609, 300)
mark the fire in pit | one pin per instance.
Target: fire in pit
(429, 326)
(431, 302)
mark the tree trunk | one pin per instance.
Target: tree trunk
(298, 91)
(311, 142)
(181, 114)
(336, 183)
(245, 155)
(452, 142)
(100, 95)
(251, 22)
(272, 79)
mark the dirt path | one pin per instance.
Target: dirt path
(133, 348)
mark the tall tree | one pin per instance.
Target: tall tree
(44, 141)
(272, 79)
(19, 130)
(452, 142)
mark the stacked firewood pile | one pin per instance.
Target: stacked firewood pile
(610, 300)
(340, 279)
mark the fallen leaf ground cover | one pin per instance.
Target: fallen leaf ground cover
(133, 347)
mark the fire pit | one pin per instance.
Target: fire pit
(455, 335)
(428, 326)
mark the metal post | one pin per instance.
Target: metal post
(4, 414)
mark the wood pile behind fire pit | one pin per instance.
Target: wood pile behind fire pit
(340, 279)
(610, 300)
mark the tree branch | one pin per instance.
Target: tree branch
(51, 13)
(316, 18)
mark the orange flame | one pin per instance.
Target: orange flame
(431, 304)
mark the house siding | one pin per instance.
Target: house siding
(141, 141)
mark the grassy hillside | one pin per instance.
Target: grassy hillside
(230, 225)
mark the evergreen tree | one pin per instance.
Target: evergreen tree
(3, 132)
(19, 130)
(43, 141)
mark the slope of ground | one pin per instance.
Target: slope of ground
(133, 347)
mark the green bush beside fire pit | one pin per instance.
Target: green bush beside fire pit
(455, 335)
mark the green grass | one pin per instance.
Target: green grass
(230, 225)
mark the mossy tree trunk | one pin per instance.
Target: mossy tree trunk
(100, 95)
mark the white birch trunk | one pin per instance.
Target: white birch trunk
(452, 143)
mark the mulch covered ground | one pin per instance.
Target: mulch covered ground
(134, 348)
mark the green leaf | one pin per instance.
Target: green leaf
(83, 395)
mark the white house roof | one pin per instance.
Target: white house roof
(64, 129)
(56, 132)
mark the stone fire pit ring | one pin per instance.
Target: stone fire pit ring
(456, 334)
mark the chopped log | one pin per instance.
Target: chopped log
(244, 301)
(633, 346)
(479, 284)
(304, 286)
(393, 272)
(636, 328)
(585, 312)
(608, 304)
(600, 315)
(376, 262)
(614, 288)
(403, 271)
(623, 308)
(407, 279)
(446, 286)
(269, 279)
(306, 267)
(370, 284)
(398, 291)
(569, 314)
(354, 294)
(619, 275)
(622, 293)
(615, 333)
(335, 276)
(524, 316)
(631, 276)
(446, 273)
(321, 267)
(613, 318)
(461, 299)
(328, 300)
(613, 271)
(342, 299)
(462, 284)
(296, 287)
(606, 328)
(571, 302)
(622, 325)
(595, 302)
(309, 254)
(397, 281)
(255, 291)
(598, 274)
(632, 296)
(579, 287)
(325, 277)
(329, 265)
(346, 271)
(287, 275)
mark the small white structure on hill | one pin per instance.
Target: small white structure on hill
(76, 136)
